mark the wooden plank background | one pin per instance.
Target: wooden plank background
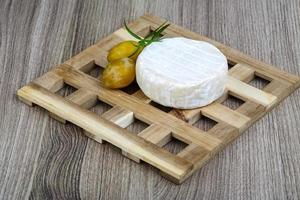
(43, 159)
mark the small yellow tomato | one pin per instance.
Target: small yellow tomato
(119, 73)
(124, 50)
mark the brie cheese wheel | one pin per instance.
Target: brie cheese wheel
(182, 73)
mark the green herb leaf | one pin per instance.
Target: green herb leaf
(158, 33)
(154, 36)
(152, 32)
(132, 33)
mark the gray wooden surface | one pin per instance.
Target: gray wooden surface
(43, 159)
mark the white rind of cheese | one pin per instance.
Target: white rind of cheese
(182, 73)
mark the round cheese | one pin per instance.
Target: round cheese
(182, 73)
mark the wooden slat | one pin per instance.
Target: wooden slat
(82, 61)
(279, 89)
(221, 113)
(50, 81)
(251, 109)
(108, 42)
(190, 116)
(245, 92)
(98, 54)
(156, 134)
(242, 72)
(141, 96)
(29, 103)
(87, 59)
(57, 118)
(158, 157)
(124, 35)
(119, 116)
(81, 97)
(194, 154)
(224, 132)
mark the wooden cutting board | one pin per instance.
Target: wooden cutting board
(175, 124)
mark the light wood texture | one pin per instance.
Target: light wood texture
(105, 129)
(44, 159)
(247, 92)
(220, 113)
(147, 146)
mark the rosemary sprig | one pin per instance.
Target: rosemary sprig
(156, 30)
(154, 36)
(132, 33)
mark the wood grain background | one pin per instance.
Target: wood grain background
(43, 159)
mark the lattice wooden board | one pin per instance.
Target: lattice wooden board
(163, 127)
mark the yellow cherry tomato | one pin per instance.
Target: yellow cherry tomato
(124, 50)
(119, 73)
